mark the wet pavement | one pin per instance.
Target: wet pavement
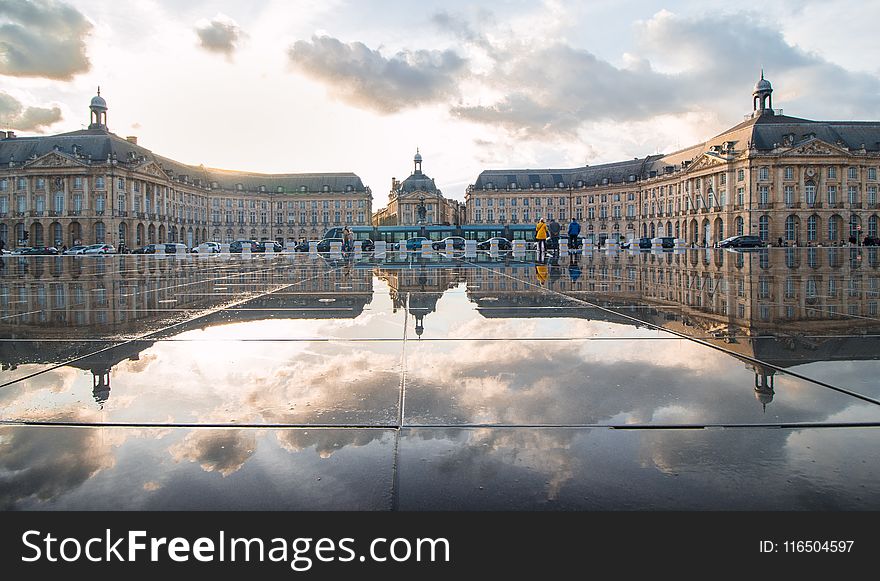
(688, 380)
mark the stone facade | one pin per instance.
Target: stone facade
(805, 182)
(405, 198)
(93, 186)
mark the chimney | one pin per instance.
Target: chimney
(132, 139)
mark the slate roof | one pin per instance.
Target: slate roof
(618, 172)
(95, 145)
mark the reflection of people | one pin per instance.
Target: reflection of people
(541, 235)
(541, 271)
(574, 269)
(347, 239)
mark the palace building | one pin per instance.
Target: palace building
(806, 182)
(92, 186)
(408, 196)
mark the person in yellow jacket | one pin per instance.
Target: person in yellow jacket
(541, 235)
(541, 272)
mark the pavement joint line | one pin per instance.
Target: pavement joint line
(436, 426)
(146, 336)
(707, 344)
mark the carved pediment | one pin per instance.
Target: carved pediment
(54, 159)
(706, 161)
(153, 169)
(815, 147)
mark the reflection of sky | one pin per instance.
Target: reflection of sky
(111, 468)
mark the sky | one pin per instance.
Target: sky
(335, 86)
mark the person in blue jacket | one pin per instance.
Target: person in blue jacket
(574, 229)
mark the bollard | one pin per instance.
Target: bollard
(224, 248)
(379, 247)
(313, 247)
(358, 248)
(336, 247)
(204, 250)
(426, 247)
(448, 246)
(519, 246)
(470, 248)
(656, 244)
(160, 249)
(493, 245)
(290, 247)
(611, 245)
(563, 246)
(246, 251)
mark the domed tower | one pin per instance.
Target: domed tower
(417, 162)
(98, 108)
(762, 97)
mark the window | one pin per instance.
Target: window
(99, 183)
(852, 173)
(764, 228)
(872, 226)
(852, 194)
(740, 175)
(41, 184)
(872, 173)
(832, 195)
(789, 196)
(740, 196)
(4, 185)
(740, 226)
(763, 195)
(812, 228)
(59, 202)
(832, 173)
(562, 201)
(832, 228)
(40, 204)
(872, 195)
(763, 174)
(789, 173)
(854, 223)
(100, 203)
(810, 194)
(490, 202)
(477, 202)
(791, 228)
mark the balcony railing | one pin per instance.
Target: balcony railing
(55, 213)
(766, 206)
(37, 213)
(74, 212)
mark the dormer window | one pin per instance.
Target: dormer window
(279, 189)
(349, 188)
(580, 183)
(262, 188)
(512, 185)
(604, 181)
(303, 189)
(239, 187)
(490, 186)
(325, 189)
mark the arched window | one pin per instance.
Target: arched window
(854, 223)
(100, 233)
(764, 228)
(740, 226)
(812, 228)
(872, 226)
(833, 228)
(791, 228)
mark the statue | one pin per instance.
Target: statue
(421, 210)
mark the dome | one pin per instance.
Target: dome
(418, 156)
(763, 85)
(98, 102)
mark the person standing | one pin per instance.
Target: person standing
(574, 229)
(554, 228)
(541, 235)
(347, 239)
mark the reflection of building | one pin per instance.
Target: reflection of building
(407, 196)
(807, 182)
(418, 289)
(58, 299)
(94, 186)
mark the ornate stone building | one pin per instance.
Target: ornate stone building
(93, 186)
(407, 196)
(779, 177)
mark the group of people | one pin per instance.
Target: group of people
(545, 232)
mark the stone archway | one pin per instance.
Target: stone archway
(161, 234)
(718, 230)
(151, 234)
(139, 234)
(74, 233)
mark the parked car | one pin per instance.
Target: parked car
(236, 246)
(303, 246)
(410, 243)
(213, 247)
(148, 249)
(175, 248)
(742, 242)
(270, 245)
(100, 249)
(503, 244)
(457, 243)
(35, 251)
(79, 249)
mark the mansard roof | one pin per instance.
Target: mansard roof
(95, 146)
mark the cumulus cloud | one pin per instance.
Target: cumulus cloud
(42, 38)
(221, 34)
(363, 77)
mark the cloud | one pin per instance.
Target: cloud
(42, 38)
(221, 34)
(365, 78)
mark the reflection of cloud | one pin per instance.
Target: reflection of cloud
(152, 486)
(42, 38)
(42, 464)
(140, 364)
(224, 451)
(326, 442)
